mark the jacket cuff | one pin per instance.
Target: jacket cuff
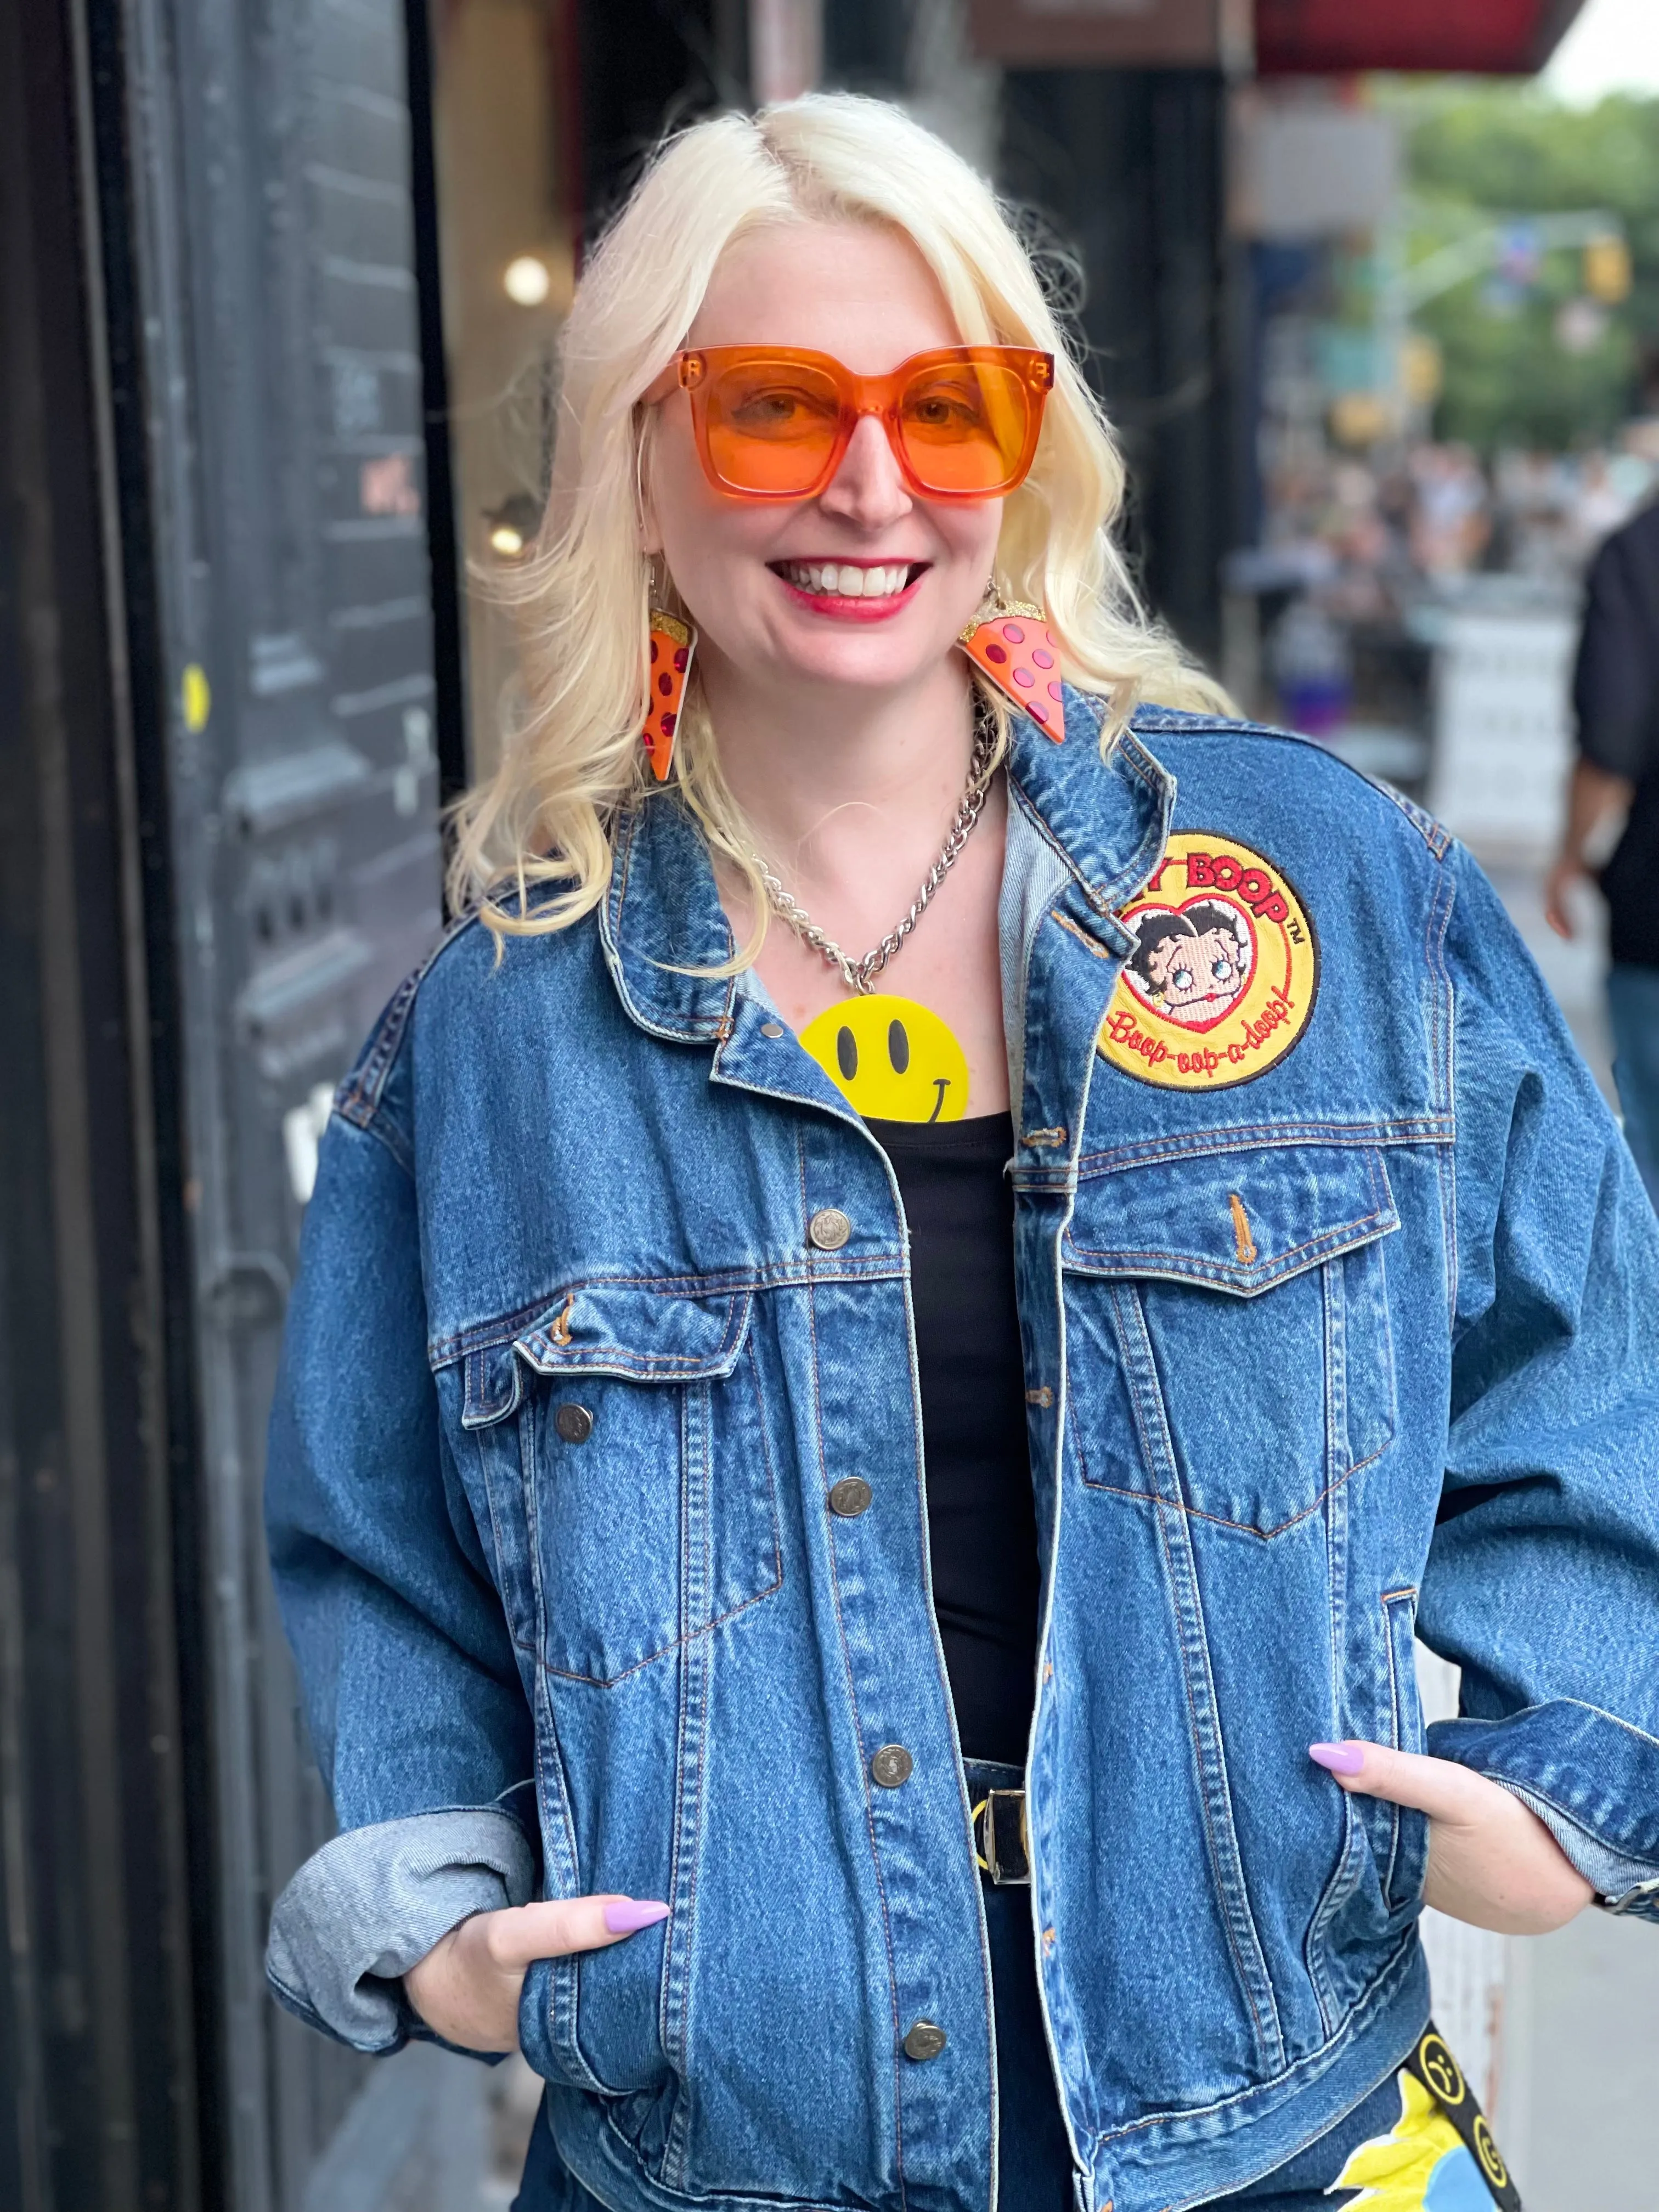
(1592, 1779)
(365, 1908)
(1621, 1884)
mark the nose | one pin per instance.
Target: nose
(867, 489)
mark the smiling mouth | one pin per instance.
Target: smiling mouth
(848, 580)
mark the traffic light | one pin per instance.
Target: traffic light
(1607, 270)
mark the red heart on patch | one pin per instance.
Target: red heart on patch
(1177, 969)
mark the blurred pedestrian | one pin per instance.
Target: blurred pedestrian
(1450, 517)
(1616, 696)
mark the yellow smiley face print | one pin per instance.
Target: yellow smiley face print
(892, 1059)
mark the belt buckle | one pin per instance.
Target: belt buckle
(1009, 1864)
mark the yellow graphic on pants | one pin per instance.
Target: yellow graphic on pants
(1420, 2166)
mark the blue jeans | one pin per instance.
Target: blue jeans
(1633, 1008)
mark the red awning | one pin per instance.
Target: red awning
(1495, 37)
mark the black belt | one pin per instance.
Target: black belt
(1447, 2083)
(1001, 1842)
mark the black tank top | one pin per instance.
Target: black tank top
(981, 1521)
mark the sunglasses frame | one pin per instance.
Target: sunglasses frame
(699, 368)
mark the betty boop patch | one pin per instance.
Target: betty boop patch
(1223, 974)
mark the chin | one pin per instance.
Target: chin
(860, 663)
(880, 655)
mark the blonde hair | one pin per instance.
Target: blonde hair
(543, 818)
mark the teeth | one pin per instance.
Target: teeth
(827, 577)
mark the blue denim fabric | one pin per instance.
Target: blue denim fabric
(352, 1923)
(1035, 2169)
(1422, 1395)
(1042, 2181)
(1633, 1008)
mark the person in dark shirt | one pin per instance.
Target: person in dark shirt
(1616, 699)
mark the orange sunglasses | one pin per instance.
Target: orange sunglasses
(773, 422)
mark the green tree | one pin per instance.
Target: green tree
(1479, 153)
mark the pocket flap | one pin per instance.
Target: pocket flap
(1239, 1221)
(642, 1332)
(639, 1332)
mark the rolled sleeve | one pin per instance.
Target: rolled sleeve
(1621, 1884)
(371, 1904)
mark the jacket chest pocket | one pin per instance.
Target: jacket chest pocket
(1229, 1349)
(647, 1489)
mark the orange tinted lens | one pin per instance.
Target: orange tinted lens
(964, 425)
(771, 425)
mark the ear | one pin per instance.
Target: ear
(650, 535)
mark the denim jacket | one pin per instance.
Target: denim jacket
(1340, 1314)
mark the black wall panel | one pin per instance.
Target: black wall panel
(97, 2053)
(1128, 166)
(280, 380)
(218, 794)
(645, 66)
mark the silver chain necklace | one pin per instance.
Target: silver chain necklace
(859, 974)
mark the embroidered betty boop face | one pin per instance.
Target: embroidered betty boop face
(1192, 964)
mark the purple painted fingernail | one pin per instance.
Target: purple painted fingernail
(626, 1916)
(1338, 1757)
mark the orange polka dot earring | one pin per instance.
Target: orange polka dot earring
(1013, 645)
(672, 644)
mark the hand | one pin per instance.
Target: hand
(1558, 915)
(466, 1988)
(1491, 1861)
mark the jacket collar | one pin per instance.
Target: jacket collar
(1107, 822)
(663, 918)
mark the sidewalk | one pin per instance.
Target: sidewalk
(1579, 2118)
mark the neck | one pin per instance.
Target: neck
(840, 784)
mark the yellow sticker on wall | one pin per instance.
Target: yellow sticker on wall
(196, 697)
(892, 1059)
(1223, 972)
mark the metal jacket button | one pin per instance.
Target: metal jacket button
(829, 1228)
(850, 1497)
(573, 1424)
(891, 1765)
(926, 2040)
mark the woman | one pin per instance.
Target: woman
(651, 1243)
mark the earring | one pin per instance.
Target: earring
(1015, 648)
(672, 644)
